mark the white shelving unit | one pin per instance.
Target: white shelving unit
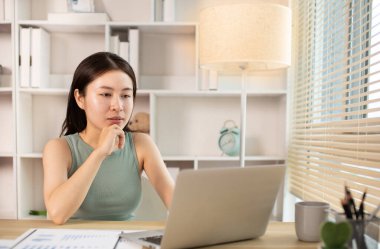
(8, 200)
(185, 121)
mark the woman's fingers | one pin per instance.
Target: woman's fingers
(111, 138)
(121, 140)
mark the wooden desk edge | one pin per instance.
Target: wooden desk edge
(278, 234)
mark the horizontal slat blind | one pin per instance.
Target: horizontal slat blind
(335, 117)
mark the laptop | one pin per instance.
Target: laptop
(214, 206)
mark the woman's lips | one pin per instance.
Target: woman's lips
(115, 120)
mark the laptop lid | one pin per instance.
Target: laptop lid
(212, 206)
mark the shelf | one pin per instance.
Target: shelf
(31, 156)
(176, 93)
(63, 27)
(5, 90)
(223, 158)
(218, 158)
(178, 158)
(267, 93)
(236, 158)
(212, 93)
(265, 158)
(6, 154)
(45, 91)
(157, 27)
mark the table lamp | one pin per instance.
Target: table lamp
(240, 38)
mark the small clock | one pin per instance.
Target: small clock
(229, 140)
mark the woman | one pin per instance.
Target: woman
(94, 170)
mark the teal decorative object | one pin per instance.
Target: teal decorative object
(229, 139)
(335, 235)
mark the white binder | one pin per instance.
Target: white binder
(134, 52)
(40, 53)
(25, 57)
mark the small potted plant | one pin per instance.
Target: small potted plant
(335, 235)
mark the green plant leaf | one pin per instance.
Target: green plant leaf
(335, 235)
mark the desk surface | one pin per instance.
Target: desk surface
(278, 235)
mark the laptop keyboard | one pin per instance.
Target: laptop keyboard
(153, 239)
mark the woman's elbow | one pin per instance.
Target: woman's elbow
(59, 220)
(57, 217)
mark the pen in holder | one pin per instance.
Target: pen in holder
(360, 238)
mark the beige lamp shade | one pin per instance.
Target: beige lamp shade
(253, 36)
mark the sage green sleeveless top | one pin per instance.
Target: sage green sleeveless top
(116, 190)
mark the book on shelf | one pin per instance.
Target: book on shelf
(158, 11)
(25, 57)
(114, 44)
(78, 18)
(8, 10)
(116, 38)
(124, 50)
(169, 10)
(40, 53)
(2, 10)
(204, 79)
(213, 80)
(134, 52)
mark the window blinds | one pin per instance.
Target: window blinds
(335, 118)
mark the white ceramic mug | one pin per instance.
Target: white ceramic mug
(309, 215)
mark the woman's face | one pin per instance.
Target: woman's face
(108, 100)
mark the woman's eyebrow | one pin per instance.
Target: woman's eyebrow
(111, 88)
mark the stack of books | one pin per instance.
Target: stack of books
(34, 57)
(6, 13)
(209, 79)
(126, 45)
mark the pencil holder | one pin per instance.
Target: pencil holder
(365, 232)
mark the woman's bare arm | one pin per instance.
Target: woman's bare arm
(155, 168)
(63, 196)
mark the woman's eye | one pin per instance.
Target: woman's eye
(126, 96)
(105, 94)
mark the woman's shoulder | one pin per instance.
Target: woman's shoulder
(60, 141)
(57, 146)
(57, 152)
(144, 143)
(141, 138)
(144, 146)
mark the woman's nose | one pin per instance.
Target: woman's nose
(117, 104)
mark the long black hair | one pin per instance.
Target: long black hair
(87, 71)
